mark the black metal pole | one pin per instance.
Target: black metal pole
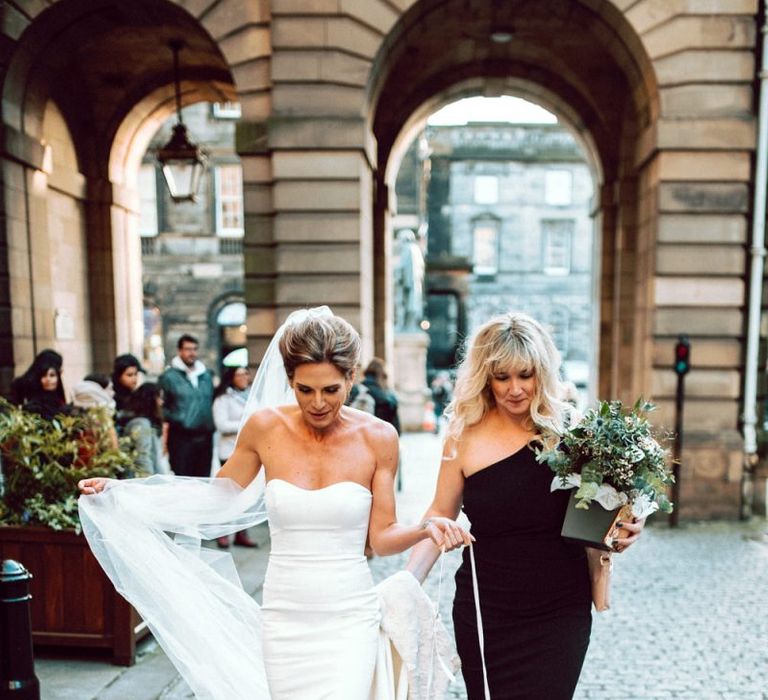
(176, 46)
(677, 449)
(17, 663)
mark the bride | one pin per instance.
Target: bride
(327, 488)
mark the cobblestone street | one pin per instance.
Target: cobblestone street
(689, 617)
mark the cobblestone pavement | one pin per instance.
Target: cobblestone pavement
(689, 617)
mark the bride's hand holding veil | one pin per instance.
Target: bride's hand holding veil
(94, 485)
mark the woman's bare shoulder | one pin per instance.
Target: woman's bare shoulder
(460, 450)
(267, 418)
(370, 426)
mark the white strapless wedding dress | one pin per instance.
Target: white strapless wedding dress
(320, 612)
(324, 632)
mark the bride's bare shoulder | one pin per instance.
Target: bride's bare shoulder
(369, 425)
(270, 418)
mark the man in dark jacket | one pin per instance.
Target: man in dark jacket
(188, 399)
(386, 402)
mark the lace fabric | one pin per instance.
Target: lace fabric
(410, 621)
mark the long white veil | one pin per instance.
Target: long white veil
(147, 533)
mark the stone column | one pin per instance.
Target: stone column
(410, 355)
(322, 229)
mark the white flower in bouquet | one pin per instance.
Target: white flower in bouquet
(613, 456)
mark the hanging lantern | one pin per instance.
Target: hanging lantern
(182, 161)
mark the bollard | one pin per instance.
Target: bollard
(17, 664)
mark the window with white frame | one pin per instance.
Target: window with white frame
(227, 110)
(557, 235)
(147, 184)
(485, 247)
(486, 189)
(558, 188)
(229, 200)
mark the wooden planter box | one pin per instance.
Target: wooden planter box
(74, 604)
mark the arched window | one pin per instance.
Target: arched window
(232, 334)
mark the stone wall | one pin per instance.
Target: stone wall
(661, 93)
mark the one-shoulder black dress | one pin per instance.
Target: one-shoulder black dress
(534, 588)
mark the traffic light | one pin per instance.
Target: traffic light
(682, 355)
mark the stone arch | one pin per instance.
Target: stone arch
(231, 296)
(582, 60)
(101, 63)
(479, 87)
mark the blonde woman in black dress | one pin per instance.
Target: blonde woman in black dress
(533, 587)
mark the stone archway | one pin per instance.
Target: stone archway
(586, 65)
(102, 64)
(664, 91)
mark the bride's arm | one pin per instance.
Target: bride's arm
(447, 502)
(387, 536)
(242, 467)
(244, 463)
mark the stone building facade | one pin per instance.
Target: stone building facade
(514, 202)
(192, 252)
(662, 95)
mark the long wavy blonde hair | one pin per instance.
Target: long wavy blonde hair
(509, 343)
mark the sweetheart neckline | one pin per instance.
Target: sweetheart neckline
(322, 488)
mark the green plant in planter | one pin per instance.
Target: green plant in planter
(42, 461)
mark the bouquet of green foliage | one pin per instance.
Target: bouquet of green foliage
(612, 456)
(42, 461)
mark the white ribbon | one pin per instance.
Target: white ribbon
(478, 614)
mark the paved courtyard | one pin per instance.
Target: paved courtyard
(689, 617)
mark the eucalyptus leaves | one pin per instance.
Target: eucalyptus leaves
(613, 448)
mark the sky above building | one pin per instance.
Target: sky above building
(510, 109)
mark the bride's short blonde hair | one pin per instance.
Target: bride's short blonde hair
(511, 342)
(325, 338)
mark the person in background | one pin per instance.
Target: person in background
(24, 386)
(359, 397)
(40, 389)
(229, 402)
(385, 400)
(142, 422)
(441, 395)
(188, 397)
(95, 391)
(125, 377)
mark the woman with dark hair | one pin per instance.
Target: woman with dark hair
(25, 383)
(229, 401)
(142, 421)
(39, 389)
(125, 377)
